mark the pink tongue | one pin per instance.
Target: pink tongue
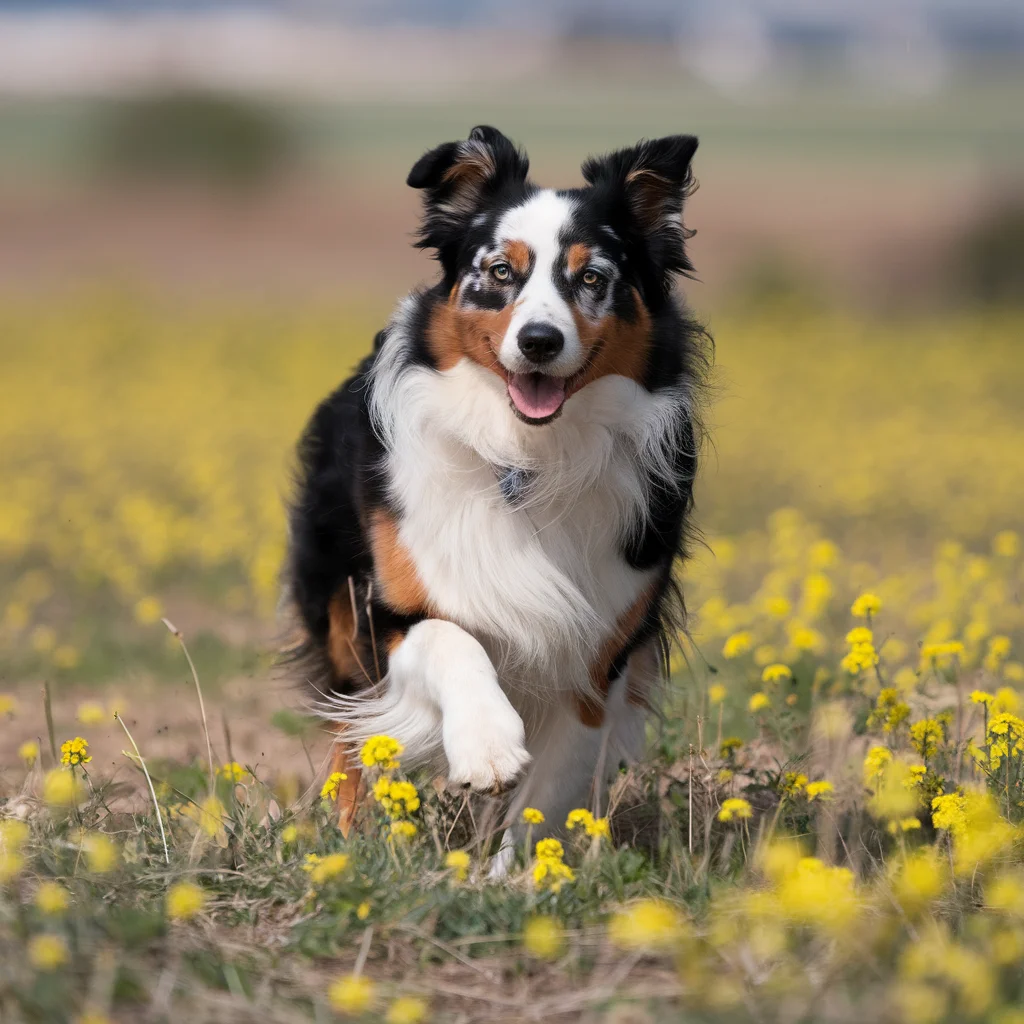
(536, 395)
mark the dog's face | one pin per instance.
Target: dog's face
(551, 290)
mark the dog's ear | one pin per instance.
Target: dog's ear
(457, 177)
(646, 186)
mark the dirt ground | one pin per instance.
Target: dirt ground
(166, 722)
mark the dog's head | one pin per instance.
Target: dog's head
(551, 290)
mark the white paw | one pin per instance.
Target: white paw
(484, 741)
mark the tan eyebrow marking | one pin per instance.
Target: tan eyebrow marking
(577, 257)
(518, 256)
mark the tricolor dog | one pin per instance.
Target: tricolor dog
(490, 509)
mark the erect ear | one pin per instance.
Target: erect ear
(457, 177)
(647, 186)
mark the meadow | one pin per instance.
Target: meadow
(827, 827)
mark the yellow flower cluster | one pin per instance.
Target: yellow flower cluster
(647, 925)
(184, 901)
(329, 790)
(74, 752)
(232, 771)
(397, 797)
(594, 827)
(549, 868)
(381, 752)
(322, 870)
(458, 861)
(735, 807)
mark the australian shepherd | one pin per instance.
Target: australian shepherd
(490, 510)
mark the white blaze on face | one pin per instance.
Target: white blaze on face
(538, 223)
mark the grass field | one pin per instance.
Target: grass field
(827, 827)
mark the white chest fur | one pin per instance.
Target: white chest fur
(542, 581)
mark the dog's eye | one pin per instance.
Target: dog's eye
(591, 278)
(501, 271)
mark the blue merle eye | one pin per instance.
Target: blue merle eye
(501, 271)
(591, 278)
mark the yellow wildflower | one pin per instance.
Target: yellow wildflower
(458, 861)
(894, 797)
(736, 645)
(326, 868)
(363, 911)
(778, 607)
(948, 813)
(865, 606)
(51, 898)
(860, 635)
(647, 924)
(793, 783)
(729, 746)
(403, 830)
(803, 638)
(1006, 699)
(184, 901)
(549, 849)
(941, 655)
(232, 771)
(381, 752)
(1006, 893)
(758, 702)
(14, 834)
(1005, 738)
(776, 673)
(75, 752)
(890, 711)
(874, 764)
(543, 938)
(11, 865)
(62, 789)
(90, 713)
(406, 1010)
(209, 816)
(599, 827)
(819, 896)
(927, 736)
(981, 697)
(148, 610)
(579, 816)
(101, 853)
(397, 798)
(531, 816)
(329, 790)
(821, 790)
(1013, 672)
(352, 994)
(289, 834)
(859, 658)
(29, 752)
(8, 705)
(735, 807)
(919, 879)
(47, 952)
(551, 872)
(716, 693)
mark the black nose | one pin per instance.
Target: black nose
(540, 342)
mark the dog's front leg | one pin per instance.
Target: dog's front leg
(441, 678)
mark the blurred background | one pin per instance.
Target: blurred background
(203, 221)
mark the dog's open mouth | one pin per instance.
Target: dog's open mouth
(536, 397)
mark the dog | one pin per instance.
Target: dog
(489, 511)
